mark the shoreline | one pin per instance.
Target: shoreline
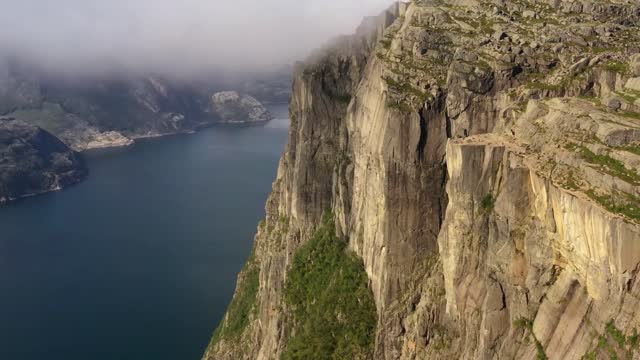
(4, 202)
(134, 139)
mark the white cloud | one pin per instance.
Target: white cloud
(161, 35)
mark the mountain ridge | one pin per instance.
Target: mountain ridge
(114, 110)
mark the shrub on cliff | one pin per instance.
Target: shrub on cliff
(333, 313)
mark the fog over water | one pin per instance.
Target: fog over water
(184, 37)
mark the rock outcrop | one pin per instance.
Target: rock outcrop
(232, 107)
(32, 161)
(482, 159)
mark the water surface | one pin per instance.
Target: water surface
(140, 260)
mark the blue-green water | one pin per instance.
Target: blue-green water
(140, 260)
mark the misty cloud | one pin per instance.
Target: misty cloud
(178, 37)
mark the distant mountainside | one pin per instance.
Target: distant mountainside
(271, 87)
(112, 111)
(45, 119)
(32, 161)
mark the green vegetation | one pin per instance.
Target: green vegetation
(617, 67)
(543, 86)
(50, 116)
(537, 81)
(621, 346)
(633, 339)
(243, 305)
(623, 204)
(523, 323)
(485, 26)
(570, 181)
(404, 88)
(615, 333)
(333, 313)
(401, 105)
(527, 324)
(629, 96)
(344, 99)
(607, 164)
(620, 203)
(284, 222)
(598, 49)
(631, 114)
(488, 202)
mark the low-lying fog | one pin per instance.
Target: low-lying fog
(180, 38)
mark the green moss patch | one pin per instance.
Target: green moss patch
(527, 324)
(613, 344)
(333, 315)
(623, 203)
(488, 202)
(607, 164)
(617, 67)
(243, 305)
(634, 149)
(631, 114)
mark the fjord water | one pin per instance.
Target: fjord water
(140, 260)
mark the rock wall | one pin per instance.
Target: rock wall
(482, 159)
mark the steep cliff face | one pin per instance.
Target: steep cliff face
(482, 160)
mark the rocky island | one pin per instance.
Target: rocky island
(461, 182)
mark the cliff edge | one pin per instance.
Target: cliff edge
(478, 163)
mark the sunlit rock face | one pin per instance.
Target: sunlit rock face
(482, 160)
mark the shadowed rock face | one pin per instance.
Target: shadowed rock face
(32, 161)
(482, 160)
